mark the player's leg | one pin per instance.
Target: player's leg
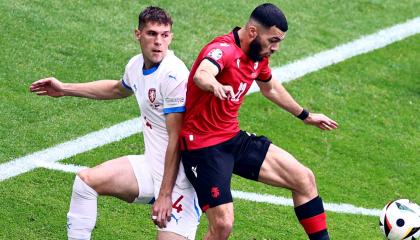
(221, 220)
(81, 218)
(113, 178)
(210, 170)
(185, 215)
(185, 212)
(257, 159)
(281, 169)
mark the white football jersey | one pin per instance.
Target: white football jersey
(159, 90)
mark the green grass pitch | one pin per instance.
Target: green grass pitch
(371, 159)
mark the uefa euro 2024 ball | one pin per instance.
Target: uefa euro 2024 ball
(400, 220)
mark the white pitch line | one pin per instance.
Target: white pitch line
(70, 168)
(333, 207)
(249, 196)
(286, 73)
(70, 148)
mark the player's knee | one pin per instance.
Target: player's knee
(81, 188)
(305, 181)
(86, 177)
(222, 226)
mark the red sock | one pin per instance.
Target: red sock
(313, 219)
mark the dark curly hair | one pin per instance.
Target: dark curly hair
(154, 14)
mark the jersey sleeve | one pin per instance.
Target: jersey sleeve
(218, 53)
(174, 91)
(125, 79)
(265, 73)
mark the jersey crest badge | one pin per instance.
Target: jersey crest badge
(215, 192)
(152, 94)
(255, 65)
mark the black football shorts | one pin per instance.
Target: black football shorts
(210, 169)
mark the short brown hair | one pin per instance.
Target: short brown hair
(154, 14)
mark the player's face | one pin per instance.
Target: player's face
(154, 41)
(266, 43)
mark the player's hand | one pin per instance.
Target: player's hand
(161, 211)
(223, 92)
(321, 121)
(47, 86)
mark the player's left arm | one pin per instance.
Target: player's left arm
(275, 92)
(162, 208)
(174, 93)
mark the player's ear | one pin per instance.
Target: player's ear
(252, 31)
(137, 34)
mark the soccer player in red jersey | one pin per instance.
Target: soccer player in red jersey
(213, 147)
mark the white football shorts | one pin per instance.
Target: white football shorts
(186, 213)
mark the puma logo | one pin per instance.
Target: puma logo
(176, 219)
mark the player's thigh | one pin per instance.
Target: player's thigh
(249, 151)
(185, 215)
(209, 170)
(281, 169)
(114, 178)
(145, 182)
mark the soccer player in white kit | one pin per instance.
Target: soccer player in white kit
(158, 80)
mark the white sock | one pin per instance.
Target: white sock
(81, 218)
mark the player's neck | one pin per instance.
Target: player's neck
(149, 64)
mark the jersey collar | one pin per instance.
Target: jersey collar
(236, 36)
(150, 70)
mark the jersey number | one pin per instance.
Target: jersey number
(178, 206)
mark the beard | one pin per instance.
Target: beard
(255, 49)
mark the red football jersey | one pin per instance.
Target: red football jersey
(209, 120)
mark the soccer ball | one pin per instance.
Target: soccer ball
(400, 220)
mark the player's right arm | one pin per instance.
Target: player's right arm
(205, 79)
(101, 89)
